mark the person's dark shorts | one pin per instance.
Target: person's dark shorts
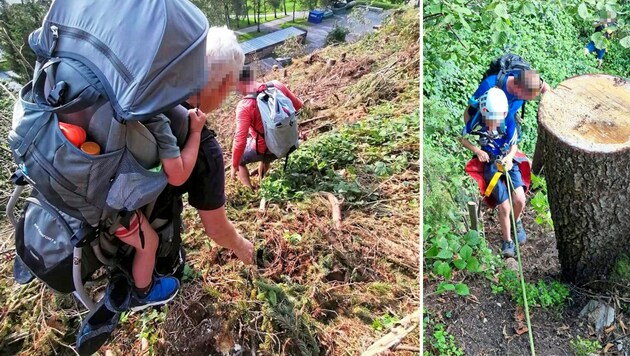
(206, 184)
(250, 155)
(591, 48)
(500, 192)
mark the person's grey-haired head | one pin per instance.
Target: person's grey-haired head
(225, 58)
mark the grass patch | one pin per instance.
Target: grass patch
(4, 65)
(251, 35)
(242, 22)
(297, 22)
(381, 4)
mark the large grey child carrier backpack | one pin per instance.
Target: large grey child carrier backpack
(105, 66)
(279, 119)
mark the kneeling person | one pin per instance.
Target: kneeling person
(248, 120)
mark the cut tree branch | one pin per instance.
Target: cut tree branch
(336, 208)
(455, 33)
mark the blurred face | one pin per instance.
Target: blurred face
(246, 87)
(493, 122)
(523, 93)
(211, 99)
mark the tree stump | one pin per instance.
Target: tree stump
(584, 130)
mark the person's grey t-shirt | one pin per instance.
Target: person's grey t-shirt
(160, 127)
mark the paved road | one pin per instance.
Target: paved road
(316, 37)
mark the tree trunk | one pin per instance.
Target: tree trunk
(258, 15)
(584, 128)
(275, 15)
(227, 15)
(265, 9)
(294, 10)
(285, 7)
(247, 14)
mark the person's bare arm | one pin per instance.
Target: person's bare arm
(481, 154)
(509, 157)
(178, 169)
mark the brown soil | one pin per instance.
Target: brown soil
(485, 323)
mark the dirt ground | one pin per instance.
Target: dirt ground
(485, 324)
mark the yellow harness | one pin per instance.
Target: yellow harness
(494, 180)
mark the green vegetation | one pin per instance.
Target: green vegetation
(620, 272)
(337, 34)
(385, 5)
(585, 347)
(459, 43)
(437, 341)
(251, 35)
(461, 38)
(329, 162)
(539, 202)
(542, 294)
(242, 22)
(297, 23)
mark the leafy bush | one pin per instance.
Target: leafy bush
(337, 34)
(539, 202)
(542, 294)
(327, 161)
(585, 347)
(441, 342)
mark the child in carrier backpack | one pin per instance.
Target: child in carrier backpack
(151, 290)
(498, 147)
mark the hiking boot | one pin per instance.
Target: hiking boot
(163, 290)
(507, 248)
(520, 232)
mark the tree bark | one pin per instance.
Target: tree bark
(584, 129)
(258, 28)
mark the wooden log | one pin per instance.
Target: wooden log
(585, 133)
(472, 213)
(404, 327)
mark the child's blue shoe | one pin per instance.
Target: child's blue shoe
(163, 290)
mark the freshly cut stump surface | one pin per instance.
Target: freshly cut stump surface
(584, 131)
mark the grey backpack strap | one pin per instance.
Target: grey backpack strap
(82, 95)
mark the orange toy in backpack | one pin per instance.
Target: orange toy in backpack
(75, 134)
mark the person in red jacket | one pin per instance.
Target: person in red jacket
(253, 148)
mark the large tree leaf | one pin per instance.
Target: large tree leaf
(501, 11)
(599, 40)
(625, 42)
(583, 11)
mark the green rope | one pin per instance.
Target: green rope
(520, 266)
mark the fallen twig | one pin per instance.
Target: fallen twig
(406, 325)
(336, 208)
(7, 90)
(314, 119)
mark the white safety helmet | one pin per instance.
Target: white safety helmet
(493, 105)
